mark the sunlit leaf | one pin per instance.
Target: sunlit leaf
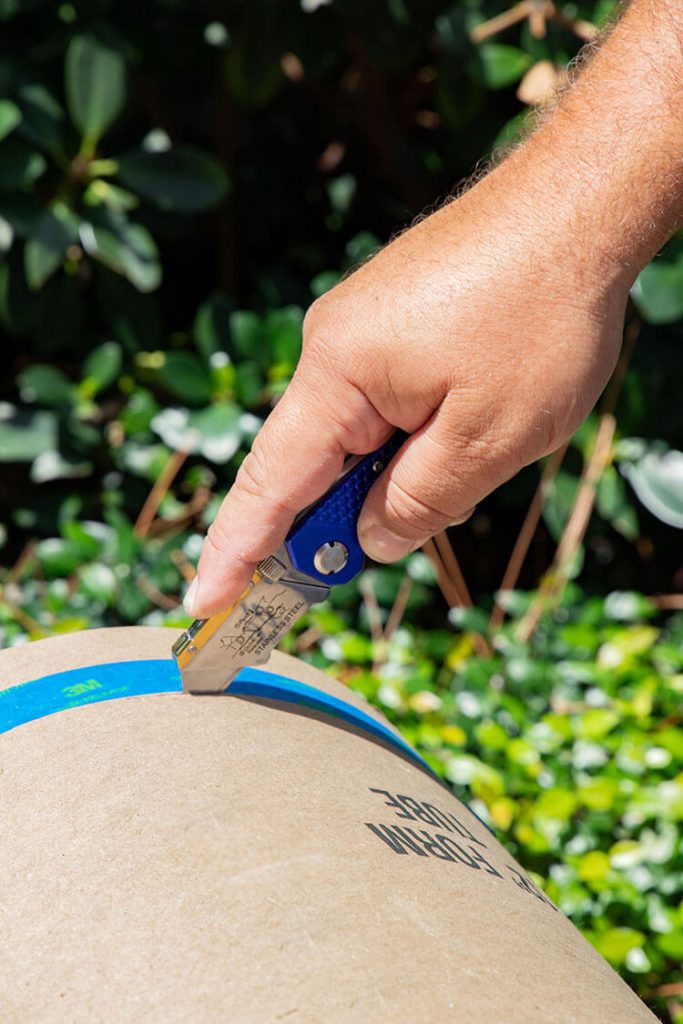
(10, 116)
(122, 246)
(95, 85)
(657, 479)
(181, 178)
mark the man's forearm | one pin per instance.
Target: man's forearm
(611, 153)
(486, 331)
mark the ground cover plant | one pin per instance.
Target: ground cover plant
(174, 191)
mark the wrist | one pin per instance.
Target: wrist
(606, 166)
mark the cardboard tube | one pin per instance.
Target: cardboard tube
(175, 858)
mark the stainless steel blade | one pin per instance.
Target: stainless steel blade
(249, 633)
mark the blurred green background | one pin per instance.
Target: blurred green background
(178, 181)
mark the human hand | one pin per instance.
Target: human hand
(486, 332)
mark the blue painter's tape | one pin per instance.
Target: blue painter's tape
(90, 685)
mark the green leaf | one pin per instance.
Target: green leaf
(137, 415)
(658, 290)
(594, 866)
(211, 329)
(53, 466)
(247, 335)
(103, 366)
(491, 735)
(484, 781)
(559, 502)
(184, 376)
(215, 432)
(283, 328)
(596, 723)
(126, 248)
(628, 606)
(98, 582)
(657, 479)
(622, 648)
(671, 944)
(324, 281)
(502, 65)
(6, 235)
(100, 192)
(182, 178)
(20, 165)
(614, 505)
(45, 384)
(555, 804)
(615, 943)
(25, 435)
(57, 557)
(95, 80)
(10, 116)
(42, 116)
(55, 231)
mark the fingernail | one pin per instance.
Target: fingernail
(190, 601)
(384, 546)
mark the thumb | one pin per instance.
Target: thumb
(435, 481)
(297, 455)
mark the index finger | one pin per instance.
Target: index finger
(297, 455)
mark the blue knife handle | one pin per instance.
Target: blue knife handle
(334, 518)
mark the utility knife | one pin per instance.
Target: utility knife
(320, 551)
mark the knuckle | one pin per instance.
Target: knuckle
(253, 485)
(316, 324)
(414, 514)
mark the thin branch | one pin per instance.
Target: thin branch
(22, 561)
(445, 584)
(192, 508)
(25, 620)
(526, 534)
(452, 566)
(158, 493)
(551, 590)
(454, 597)
(164, 601)
(372, 608)
(607, 407)
(308, 639)
(501, 21)
(183, 565)
(668, 602)
(398, 608)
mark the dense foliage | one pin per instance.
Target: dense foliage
(177, 183)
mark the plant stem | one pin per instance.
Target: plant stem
(158, 493)
(526, 534)
(551, 589)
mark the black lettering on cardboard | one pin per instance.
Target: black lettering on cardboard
(396, 839)
(458, 851)
(401, 812)
(418, 809)
(463, 830)
(488, 867)
(525, 883)
(441, 821)
(431, 844)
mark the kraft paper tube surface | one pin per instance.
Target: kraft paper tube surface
(176, 858)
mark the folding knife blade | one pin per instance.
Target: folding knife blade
(212, 651)
(320, 551)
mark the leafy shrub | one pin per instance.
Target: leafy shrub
(174, 190)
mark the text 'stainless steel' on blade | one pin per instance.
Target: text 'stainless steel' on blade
(320, 551)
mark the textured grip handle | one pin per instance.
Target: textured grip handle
(333, 519)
